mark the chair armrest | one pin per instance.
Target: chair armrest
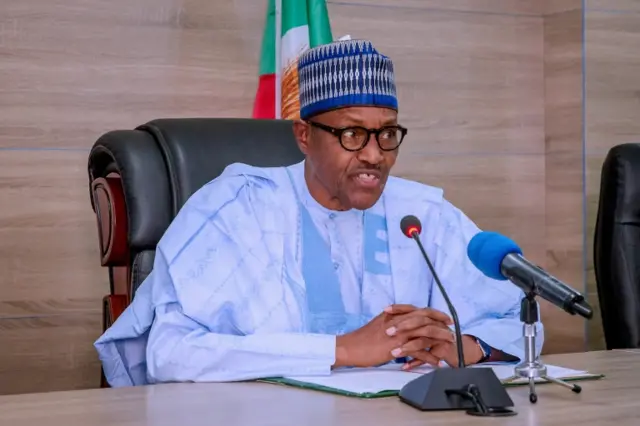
(112, 307)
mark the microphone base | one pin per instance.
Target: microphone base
(476, 390)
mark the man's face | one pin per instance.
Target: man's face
(340, 179)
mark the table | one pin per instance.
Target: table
(612, 400)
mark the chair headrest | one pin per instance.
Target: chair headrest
(620, 182)
(197, 150)
(163, 162)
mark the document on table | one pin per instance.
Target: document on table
(388, 379)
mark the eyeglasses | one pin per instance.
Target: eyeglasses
(355, 138)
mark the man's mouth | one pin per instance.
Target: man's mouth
(368, 180)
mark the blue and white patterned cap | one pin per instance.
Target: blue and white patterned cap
(342, 74)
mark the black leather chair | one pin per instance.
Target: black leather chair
(617, 247)
(139, 179)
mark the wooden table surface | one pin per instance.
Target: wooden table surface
(614, 399)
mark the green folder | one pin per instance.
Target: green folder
(395, 392)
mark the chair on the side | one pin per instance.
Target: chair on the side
(617, 247)
(139, 179)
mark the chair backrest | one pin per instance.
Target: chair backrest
(139, 180)
(617, 247)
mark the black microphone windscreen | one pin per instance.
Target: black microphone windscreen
(410, 224)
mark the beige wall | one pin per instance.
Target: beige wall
(482, 90)
(564, 195)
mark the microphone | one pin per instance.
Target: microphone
(477, 390)
(500, 258)
(411, 227)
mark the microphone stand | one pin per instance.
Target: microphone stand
(478, 390)
(454, 314)
(531, 367)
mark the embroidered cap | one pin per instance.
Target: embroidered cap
(342, 74)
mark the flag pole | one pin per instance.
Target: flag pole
(278, 36)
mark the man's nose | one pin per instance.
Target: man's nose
(371, 153)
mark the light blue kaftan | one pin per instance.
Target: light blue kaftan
(254, 279)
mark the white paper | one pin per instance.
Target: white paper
(390, 377)
(361, 380)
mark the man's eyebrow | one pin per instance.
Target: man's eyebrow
(356, 121)
(351, 119)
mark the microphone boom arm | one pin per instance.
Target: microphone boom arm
(454, 314)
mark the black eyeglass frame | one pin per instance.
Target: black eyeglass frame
(338, 132)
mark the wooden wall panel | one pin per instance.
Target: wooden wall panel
(612, 108)
(49, 352)
(49, 248)
(564, 197)
(477, 185)
(612, 72)
(613, 5)
(51, 283)
(475, 90)
(551, 7)
(83, 67)
(498, 7)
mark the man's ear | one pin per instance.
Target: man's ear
(301, 133)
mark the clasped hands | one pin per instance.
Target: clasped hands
(422, 334)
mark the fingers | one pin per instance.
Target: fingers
(433, 332)
(400, 309)
(437, 316)
(412, 328)
(420, 358)
(433, 314)
(434, 349)
(412, 364)
(414, 345)
(441, 350)
(410, 323)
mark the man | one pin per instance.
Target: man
(299, 270)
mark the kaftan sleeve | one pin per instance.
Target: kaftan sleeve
(488, 309)
(217, 278)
